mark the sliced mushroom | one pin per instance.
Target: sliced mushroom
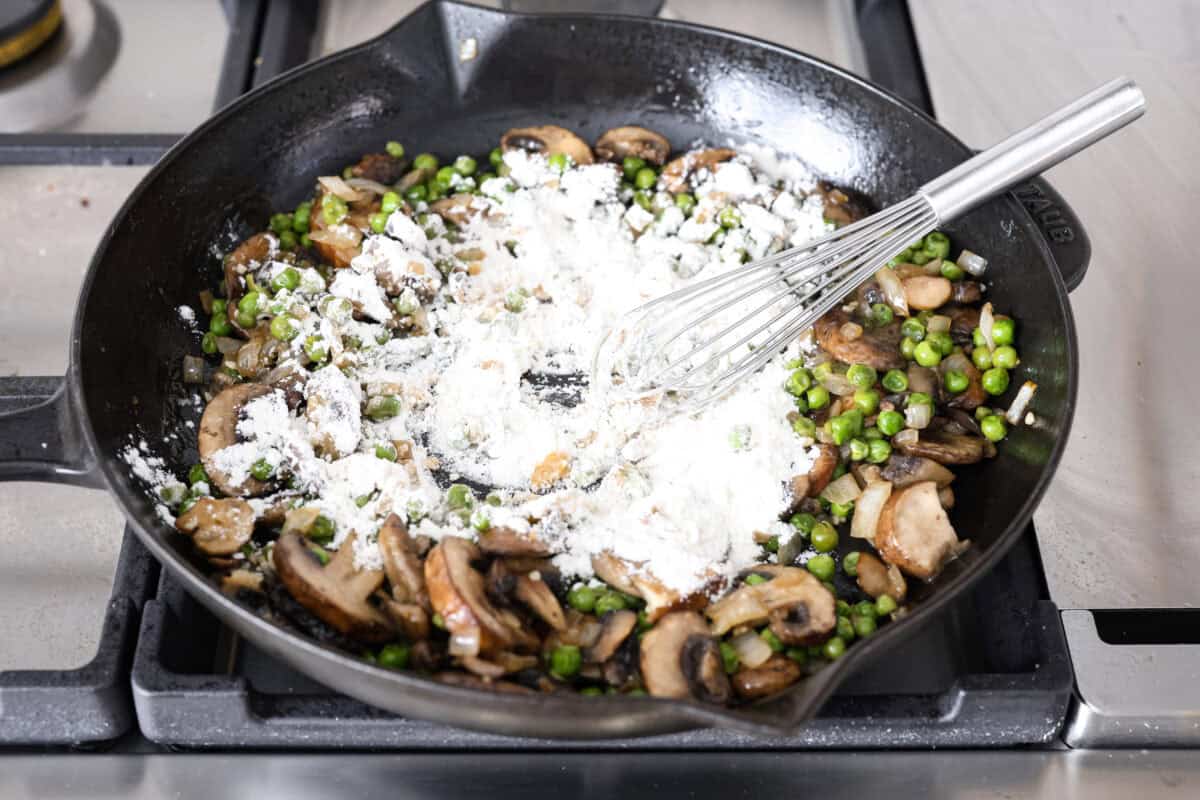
(775, 675)
(415, 177)
(622, 669)
(410, 618)
(914, 532)
(459, 208)
(614, 571)
(963, 322)
(676, 661)
(538, 598)
(821, 471)
(926, 292)
(218, 430)
(967, 292)
(499, 540)
(877, 579)
(456, 592)
(250, 254)
(632, 579)
(922, 379)
(242, 580)
(876, 347)
(901, 471)
(675, 175)
(336, 593)
(839, 207)
(218, 527)
(632, 141)
(548, 140)
(379, 167)
(946, 448)
(802, 611)
(616, 627)
(400, 563)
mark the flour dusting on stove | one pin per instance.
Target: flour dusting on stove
(492, 389)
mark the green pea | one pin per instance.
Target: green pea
(797, 654)
(850, 564)
(729, 217)
(425, 161)
(208, 343)
(197, 474)
(890, 422)
(565, 661)
(383, 407)
(262, 470)
(496, 157)
(818, 397)
(685, 202)
(609, 601)
(881, 313)
(879, 450)
(895, 380)
(281, 222)
(995, 380)
(459, 495)
(288, 279)
(798, 382)
(187, 504)
(856, 417)
(287, 240)
(845, 629)
(393, 656)
(582, 598)
(333, 209)
(803, 522)
(302, 217)
(942, 341)
(952, 271)
(438, 622)
(559, 162)
(768, 636)
(1006, 357)
(1003, 331)
(465, 165)
(321, 530)
(861, 375)
(645, 178)
(378, 221)
(908, 348)
(386, 451)
(993, 427)
(754, 579)
(316, 349)
(803, 426)
(981, 357)
(417, 194)
(822, 565)
(219, 325)
(937, 245)
(842, 428)
(920, 258)
(824, 539)
(885, 604)
(834, 648)
(981, 412)
(631, 166)
(389, 202)
(858, 449)
(866, 401)
(912, 328)
(284, 328)
(643, 199)
(955, 381)
(305, 240)
(771, 545)
(863, 626)
(919, 399)
(729, 658)
(842, 608)
(927, 355)
(839, 510)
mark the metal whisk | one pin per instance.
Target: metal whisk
(700, 341)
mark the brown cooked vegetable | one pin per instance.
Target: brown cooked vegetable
(675, 175)
(218, 430)
(401, 564)
(677, 663)
(877, 579)
(458, 208)
(902, 470)
(926, 292)
(218, 527)
(799, 607)
(379, 167)
(775, 675)
(501, 541)
(876, 347)
(535, 595)
(914, 532)
(252, 253)
(616, 627)
(548, 140)
(631, 141)
(946, 448)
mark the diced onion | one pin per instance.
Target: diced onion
(893, 289)
(973, 263)
(918, 416)
(906, 437)
(1017, 410)
(838, 384)
(339, 236)
(368, 185)
(958, 362)
(752, 649)
(193, 369)
(842, 491)
(986, 320)
(933, 267)
(938, 323)
(336, 186)
(867, 509)
(852, 331)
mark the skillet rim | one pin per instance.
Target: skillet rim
(648, 716)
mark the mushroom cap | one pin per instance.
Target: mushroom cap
(876, 347)
(676, 658)
(945, 447)
(400, 563)
(218, 430)
(537, 596)
(901, 470)
(914, 532)
(773, 675)
(632, 579)
(789, 589)
(633, 141)
(499, 540)
(218, 527)
(877, 579)
(615, 628)
(675, 175)
(548, 140)
(336, 593)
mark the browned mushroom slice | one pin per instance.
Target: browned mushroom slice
(631, 579)
(410, 618)
(469, 681)
(966, 292)
(242, 580)
(217, 527)
(922, 379)
(774, 675)
(549, 140)
(914, 532)
(336, 593)
(535, 595)
(400, 563)
(926, 292)
(456, 592)
(876, 347)
(877, 579)
(677, 659)
(802, 611)
(902, 471)
(616, 627)
(963, 322)
(502, 541)
(218, 430)
(379, 167)
(252, 253)
(946, 448)
(339, 244)
(614, 571)
(675, 175)
(632, 141)
(415, 177)
(839, 208)
(459, 208)
(821, 471)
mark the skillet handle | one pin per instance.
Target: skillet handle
(1064, 232)
(40, 438)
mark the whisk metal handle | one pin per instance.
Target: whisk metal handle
(1036, 148)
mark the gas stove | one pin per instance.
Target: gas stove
(104, 652)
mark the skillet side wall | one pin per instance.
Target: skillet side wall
(585, 74)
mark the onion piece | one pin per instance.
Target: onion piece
(752, 649)
(838, 384)
(852, 331)
(918, 416)
(906, 437)
(227, 345)
(938, 323)
(193, 369)
(893, 290)
(986, 320)
(868, 508)
(973, 263)
(367, 185)
(336, 186)
(933, 267)
(842, 491)
(339, 236)
(1017, 410)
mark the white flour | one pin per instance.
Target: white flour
(540, 276)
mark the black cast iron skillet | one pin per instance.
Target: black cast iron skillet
(585, 73)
